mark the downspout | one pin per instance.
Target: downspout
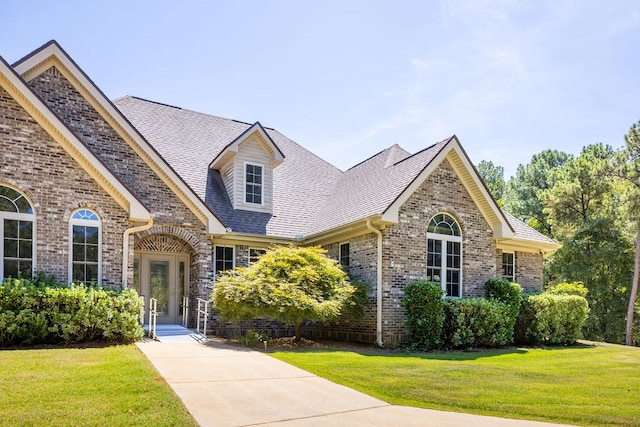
(374, 230)
(125, 247)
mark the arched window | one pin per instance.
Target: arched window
(17, 234)
(444, 254)
(86, 247)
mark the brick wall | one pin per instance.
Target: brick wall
(404, 247)
(34, 163)
(169, 212)
(529, 268)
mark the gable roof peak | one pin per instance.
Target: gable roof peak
(232, 148)
(395, 153)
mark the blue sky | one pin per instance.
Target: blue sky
(347, 79)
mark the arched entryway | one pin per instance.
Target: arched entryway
(161, 271)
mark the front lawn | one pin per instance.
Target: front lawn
(115, 386)
(582, 385)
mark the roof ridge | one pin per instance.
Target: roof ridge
(366, 160)
(444, 141)
(152, 102)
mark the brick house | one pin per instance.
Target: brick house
(135, 193)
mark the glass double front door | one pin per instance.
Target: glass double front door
(165, 278)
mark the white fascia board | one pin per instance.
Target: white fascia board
(214, 225)
(232, 149)
(392, 212)
(137, 211)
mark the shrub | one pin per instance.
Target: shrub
(508, 293)
(425, 314)
(477, 322)
(569, 288)
(551, 319)
(287, 283)
(33, 313)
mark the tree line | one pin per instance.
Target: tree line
(590, 203)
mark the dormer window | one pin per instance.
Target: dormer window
(253, 183)
(246, 167)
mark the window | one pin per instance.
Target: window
(17, 234)
(344, 255)
(86, 247)
(444, 254)
(508, 266)
(255, 254)
(223, 259)
(253, 184)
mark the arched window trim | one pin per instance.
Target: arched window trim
(446, 238)
(20, 216)
(87, 218)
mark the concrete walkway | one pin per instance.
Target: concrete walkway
(229, 386)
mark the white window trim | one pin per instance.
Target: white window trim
(443, 262)
(244, 187)
(513, 275)
(21, 217)
(88, 223)
(215, 258)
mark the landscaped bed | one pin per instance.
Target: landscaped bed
(587, 384)
(115, 386)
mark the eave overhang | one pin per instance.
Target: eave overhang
(17, 88)
(52, 55)
(459, 161)
(231, 149)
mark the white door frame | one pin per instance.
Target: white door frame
(178, 265)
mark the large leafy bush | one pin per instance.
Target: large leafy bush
(287, 283)
(508, 293)
(33, 312)
(551, 319)
(477, 322)
(425, 314)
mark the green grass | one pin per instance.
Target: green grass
(115, 386)
(582, 385)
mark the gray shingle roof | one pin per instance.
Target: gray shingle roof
(310, 196)
(370, 187)
(523, 231)
(189, 141)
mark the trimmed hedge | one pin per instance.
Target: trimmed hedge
(551, 319)
(477, 322)
(425, 314)
(508, 293)
(504, 317)
(33, 313)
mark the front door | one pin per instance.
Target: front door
(163, 277)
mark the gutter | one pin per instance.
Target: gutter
(378, 233)
(125, 247)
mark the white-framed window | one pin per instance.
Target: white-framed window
(344, 258)
(255, 254)
(253, 183)
(223, 259)
(444, 254)
(85, 241)
(17, 233)
(509, 266)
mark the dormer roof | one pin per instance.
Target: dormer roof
(232, 148)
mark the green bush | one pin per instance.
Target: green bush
(34, 313)
(508, 293)
(477, 322)
(569, 288)
(551, 319)
(425, 314)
